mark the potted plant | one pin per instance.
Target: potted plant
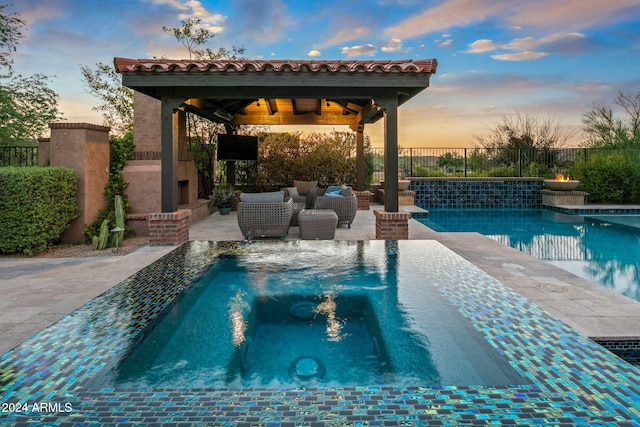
(223, 197)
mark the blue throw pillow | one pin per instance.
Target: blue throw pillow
(332, 194)
(332, 189)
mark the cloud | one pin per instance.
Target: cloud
(524, 48)
(453, 13)
(314, 52)
(590, 87)
(444, 43)
(345, 35)
(361, 50)
(259, 21)
(476, 83)
(395, 45)
(529, 43)
(194, 9)
(481, 46)
(519, 56)
(571, 15)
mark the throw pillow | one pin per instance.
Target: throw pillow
(346, 191)
(304, 186)
(333, 188)
(292, 191)
(332, 194)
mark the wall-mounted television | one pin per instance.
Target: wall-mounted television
(237, 147)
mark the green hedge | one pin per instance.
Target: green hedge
(36, 206)
(610, 178)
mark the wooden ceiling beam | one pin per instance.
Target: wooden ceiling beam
(296, 119)
(272, 106)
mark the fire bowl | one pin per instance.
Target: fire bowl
(570, 185)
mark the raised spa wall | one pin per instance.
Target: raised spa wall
(477, 192)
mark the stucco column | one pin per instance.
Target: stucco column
(85, 148)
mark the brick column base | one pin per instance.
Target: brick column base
(364, 199)
(392, 225)
(169, 228)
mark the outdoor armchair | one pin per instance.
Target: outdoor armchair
(344, 206)
(264, 219)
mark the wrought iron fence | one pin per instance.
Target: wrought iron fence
(18, 156)
(462, 162)
(484, 162)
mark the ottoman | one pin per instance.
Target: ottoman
(317, 223)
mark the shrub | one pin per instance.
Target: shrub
(121, 151)
(535, 169)
(501, 171)
(610, 178)
(425, 171)
(36, 206)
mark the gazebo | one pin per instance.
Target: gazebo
(288, 92)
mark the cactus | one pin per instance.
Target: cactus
(119, 211)
(100, 242)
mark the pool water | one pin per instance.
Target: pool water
(602, 249)
(274, 320)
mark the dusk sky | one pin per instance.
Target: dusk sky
(546, 58)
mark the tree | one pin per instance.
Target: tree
(27, 104)
(116, 100)
(10, 34)
(521, 130)
(520, 139)
(603, 129)
(203, 133)
(191, 34)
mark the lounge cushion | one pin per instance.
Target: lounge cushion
(304, 186)
(267, 197)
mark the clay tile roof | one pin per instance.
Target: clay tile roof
(124, 65)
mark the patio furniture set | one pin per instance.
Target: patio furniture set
(317, 211)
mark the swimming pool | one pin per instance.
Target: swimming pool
(604, 249)
(571, 380)
(346, 319)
